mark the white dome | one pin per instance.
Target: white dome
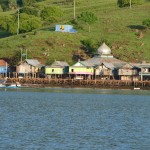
(104, 50)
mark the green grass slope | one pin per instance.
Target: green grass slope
(120, 27)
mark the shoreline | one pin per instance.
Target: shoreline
(84, 87)
(70, 83)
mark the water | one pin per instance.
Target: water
(74, 119)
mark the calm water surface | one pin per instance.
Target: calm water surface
(74, 119)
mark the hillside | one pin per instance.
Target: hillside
(120, 28)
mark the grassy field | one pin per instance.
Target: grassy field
(120, 27)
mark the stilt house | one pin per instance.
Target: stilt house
(129, 72)
(30, 67)
(144, 70)
(81, 70)
(57, 69)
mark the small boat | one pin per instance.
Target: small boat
(137, 88)
(2, 85)
(14, 85)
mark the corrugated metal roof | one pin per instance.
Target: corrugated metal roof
(109, 65)
(85, 63)
(111, 62)
(129, 66)
(33, 62)
(59, 64)
(141, 65)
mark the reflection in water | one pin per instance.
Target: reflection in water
(65, 119)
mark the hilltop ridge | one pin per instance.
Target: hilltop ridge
(120, 28)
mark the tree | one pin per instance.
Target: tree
(127, 3)
(87, 17)
(4, 4)
(12, 4)
(30, 11)
(51, 14)
(4, 22)
(146, 22)
(27, 23)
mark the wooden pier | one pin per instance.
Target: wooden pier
(46, 82)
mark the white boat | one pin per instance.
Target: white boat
(2, 85)
(14, 85)
(136, 88)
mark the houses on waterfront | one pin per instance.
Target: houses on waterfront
(103, 66)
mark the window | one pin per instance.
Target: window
(72, 70)
(52, 70)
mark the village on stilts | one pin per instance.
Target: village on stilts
(102, 70)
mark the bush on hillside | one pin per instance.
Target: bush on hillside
(51, 14)
(126, 3)
(88, 18)
(146, 22)
(4, 4)
(90, 45)
(30, 11)
(27, 23)
(27, 2)
(4, 21)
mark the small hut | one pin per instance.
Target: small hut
(129, 72)
(144, 70)
(29, 68)
(58, 69)
(81, 70)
